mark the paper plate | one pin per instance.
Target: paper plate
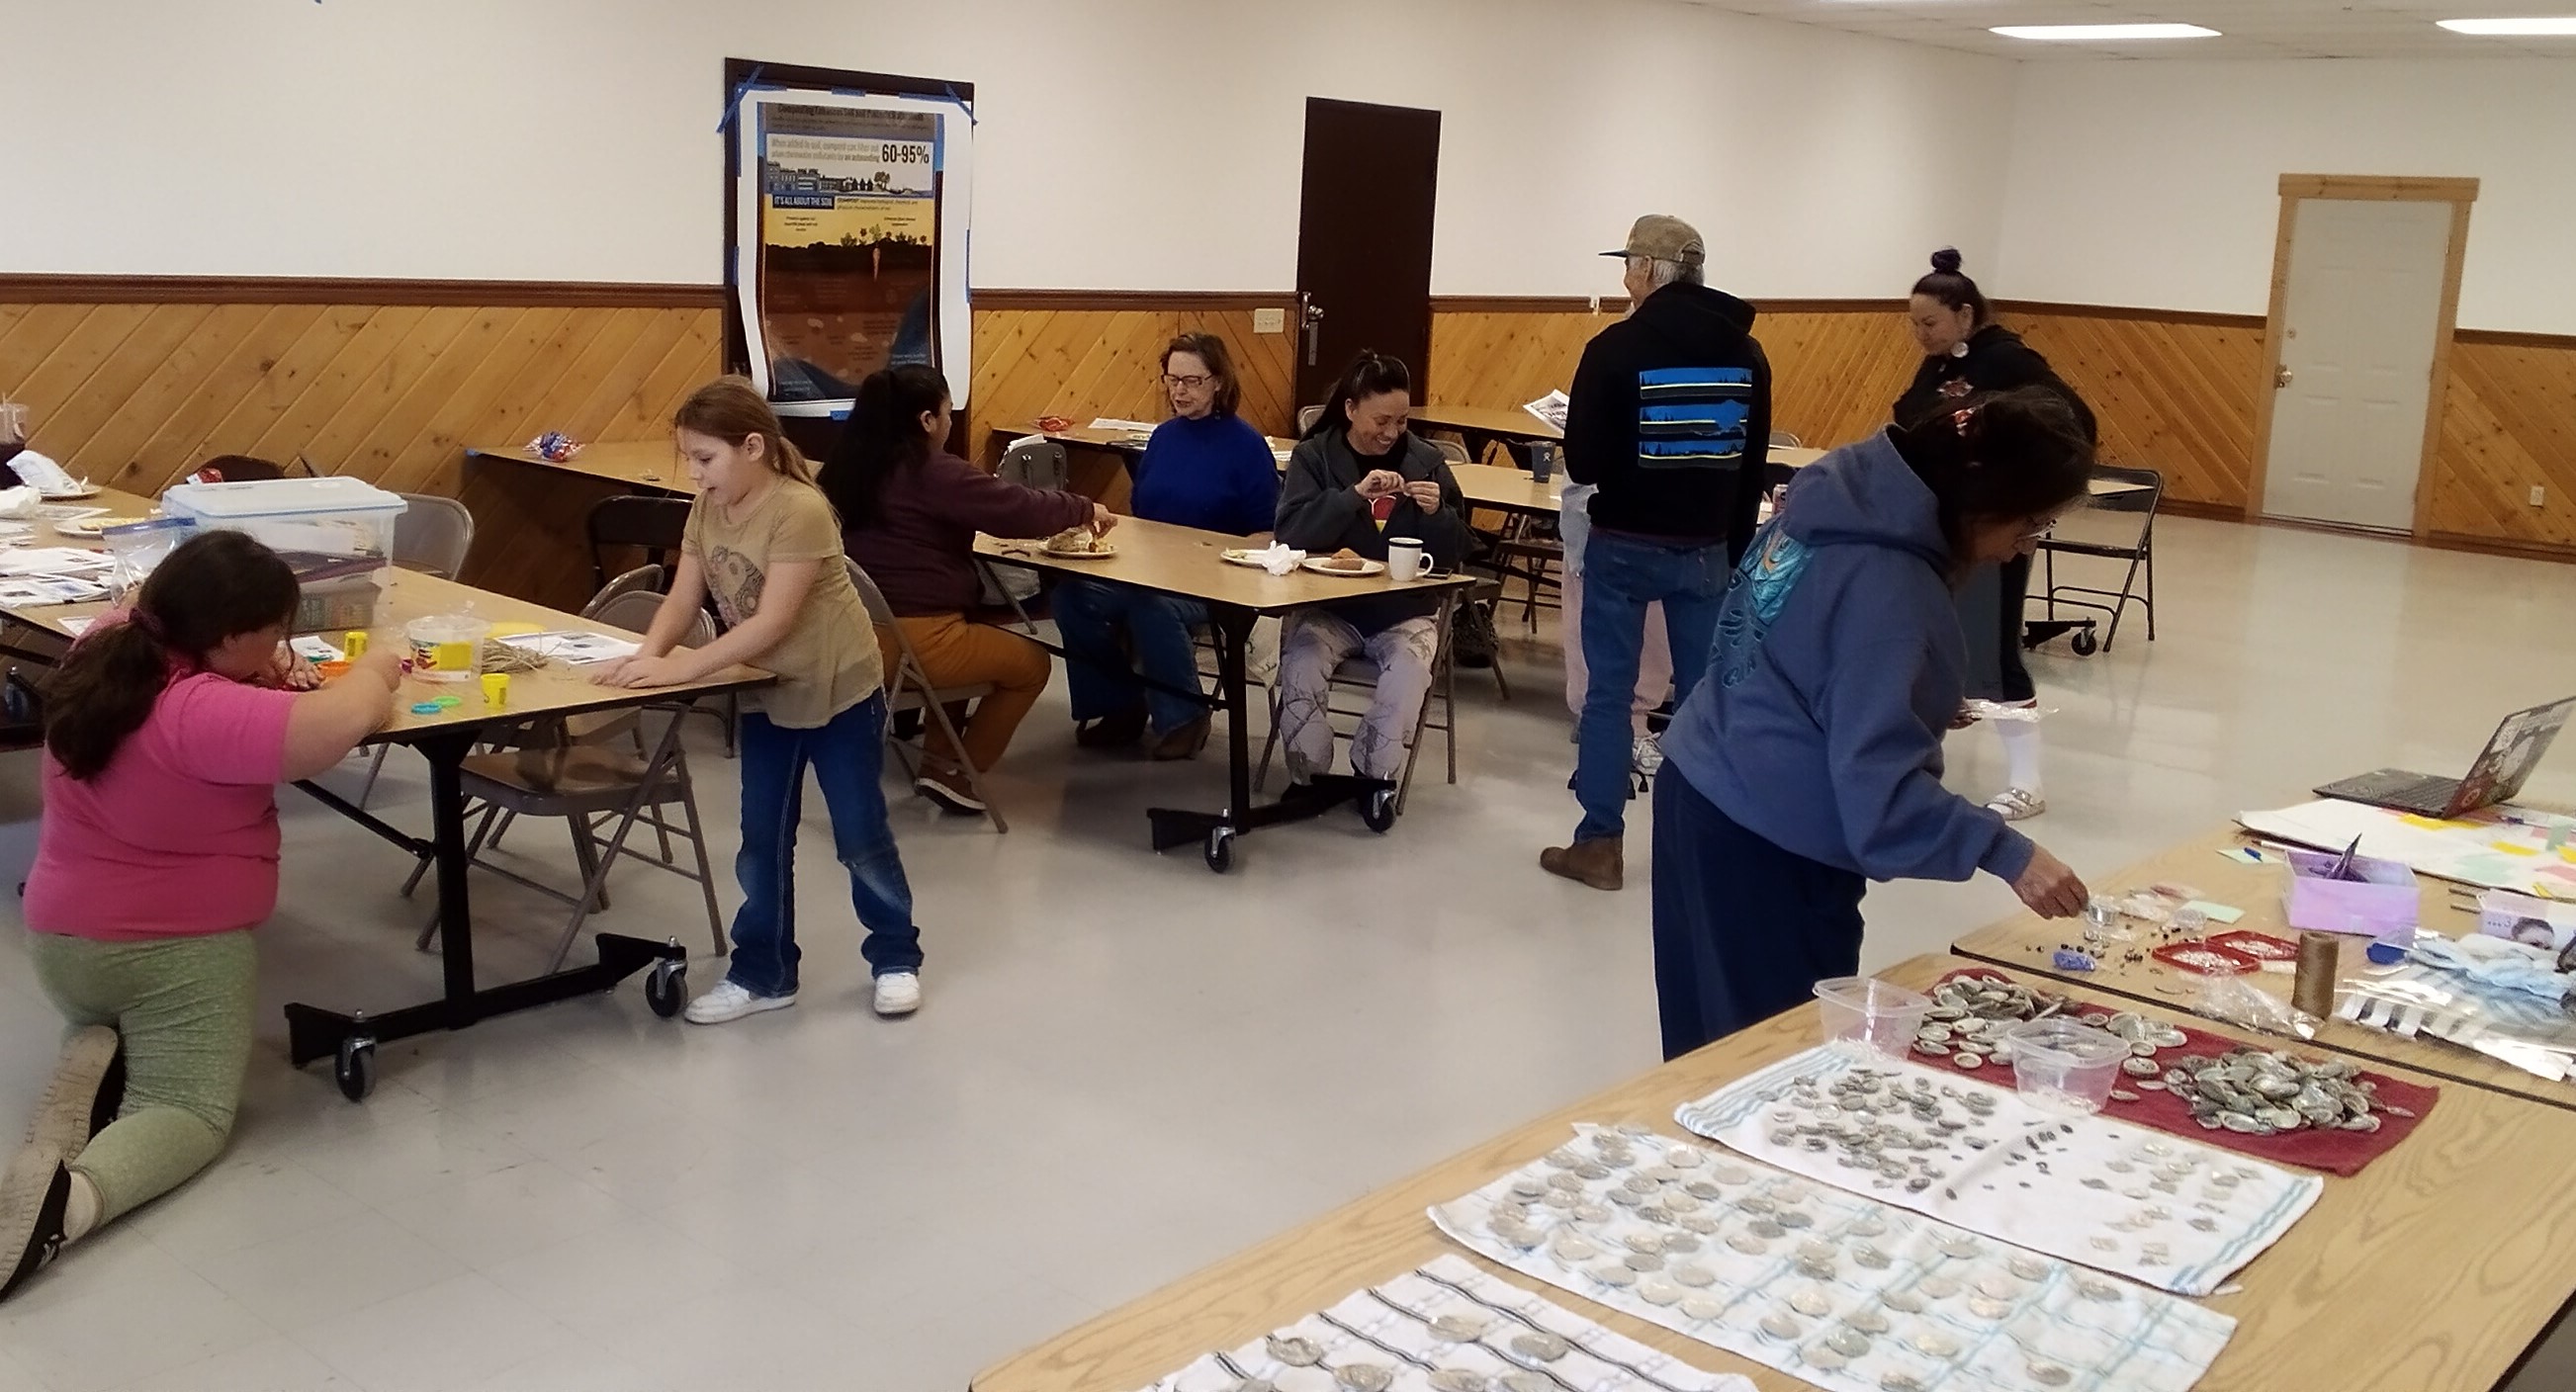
(74, 495)
(1367, 568)
(92, 526)
(1099, 553)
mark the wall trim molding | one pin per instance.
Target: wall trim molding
(2167, 316)
(996, 297)
(151, 289)
(2510, 338)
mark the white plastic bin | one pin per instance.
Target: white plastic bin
(326, 528)
(335, 517)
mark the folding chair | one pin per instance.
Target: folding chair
(1036, 463)
(2117, 526)
(1358, 674)
(908, 687)
(1453, 452)
(433, 535)
(590, 781)
(1306, 418)
(651, 525)
(1787, 439)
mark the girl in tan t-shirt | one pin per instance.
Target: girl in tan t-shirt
(764, 544)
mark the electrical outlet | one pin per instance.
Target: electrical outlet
(1270, 321)
(2539, 496)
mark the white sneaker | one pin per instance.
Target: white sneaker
(1647, 754)
(2015, 804)
(898, 993)
(731, 1002)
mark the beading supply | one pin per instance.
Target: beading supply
(1445, 1327)
(2157, 1208)
(1835, 1288)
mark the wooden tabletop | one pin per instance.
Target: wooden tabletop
(1511, 423)
(2024, 944)
(1511, 490)
(1184, 561)
(555, 689)
(636, 464)
(2431, 1271)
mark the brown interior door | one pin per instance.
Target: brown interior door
(1364, 240)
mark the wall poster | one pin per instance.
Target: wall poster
(850, 243)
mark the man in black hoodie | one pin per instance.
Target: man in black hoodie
(1669, 418)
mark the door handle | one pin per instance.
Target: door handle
(1312, 325)
(2281, 378)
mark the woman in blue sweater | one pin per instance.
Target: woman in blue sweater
(1204, 468)
(1807, 762)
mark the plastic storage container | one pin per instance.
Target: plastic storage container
(2063, 1067)
(338, 534)
(1874, 1012)
(2382, 903)
(447, 647)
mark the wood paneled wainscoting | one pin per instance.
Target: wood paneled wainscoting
(135, 381)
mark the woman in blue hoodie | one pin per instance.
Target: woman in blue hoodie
(1809, 756)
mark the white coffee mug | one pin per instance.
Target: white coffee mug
(1404, 559)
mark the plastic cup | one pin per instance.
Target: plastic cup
(354, 643)
(1877, 1013)
(446, 647)
(2063, 1067)
(496, 689)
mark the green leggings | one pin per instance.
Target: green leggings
(182, 1007)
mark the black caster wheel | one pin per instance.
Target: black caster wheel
(1220, 850)
(355, 1069)
(1378, 810)
(666, 986)
(2084, 643)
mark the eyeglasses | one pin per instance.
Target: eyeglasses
(1193, 382)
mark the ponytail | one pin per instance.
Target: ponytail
(214, 586)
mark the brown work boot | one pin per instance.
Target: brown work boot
(1185, 742)
(1599, 862)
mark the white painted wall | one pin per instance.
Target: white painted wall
(1124, 144)
(2157, 184)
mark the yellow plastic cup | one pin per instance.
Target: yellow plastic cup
(353, 643)
(496, 688)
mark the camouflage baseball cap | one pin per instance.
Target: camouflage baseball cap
(1663, 237)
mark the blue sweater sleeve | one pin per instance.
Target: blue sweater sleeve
(1897, 819)
(1253, 500)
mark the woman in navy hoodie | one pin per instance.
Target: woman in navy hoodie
(1809, 756)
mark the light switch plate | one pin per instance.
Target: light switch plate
(2539, 496)
(1270, 321)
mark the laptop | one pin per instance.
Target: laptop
(2497, 776)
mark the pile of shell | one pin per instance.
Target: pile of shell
(2259, 1093)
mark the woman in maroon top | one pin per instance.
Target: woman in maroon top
(909, 514)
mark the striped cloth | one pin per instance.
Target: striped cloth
(2162, 1209)
(2057, 1327)
(1390, 1325)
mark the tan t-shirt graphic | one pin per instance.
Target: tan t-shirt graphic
(828, 662)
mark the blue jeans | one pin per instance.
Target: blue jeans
(1092, 614)
(1622, 574)
(847, 756)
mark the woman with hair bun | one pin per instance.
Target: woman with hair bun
(1964, 352)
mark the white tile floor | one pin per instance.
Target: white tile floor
(1127, 1066)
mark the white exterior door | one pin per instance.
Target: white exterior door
(2361, 319)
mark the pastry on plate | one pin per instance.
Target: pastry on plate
(1075, 541)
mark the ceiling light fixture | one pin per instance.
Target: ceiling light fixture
(2102, 33)
(2560, 25)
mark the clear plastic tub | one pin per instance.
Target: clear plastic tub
(1877, 1013)
(447, 647)
(2063, 1067)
